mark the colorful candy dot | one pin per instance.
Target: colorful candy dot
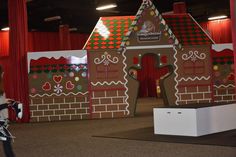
(76, 78)
(49, 75)
(79, 87)
(71, 74)
(35, 76)
(84, 74)
(33, 90)
(215, 67)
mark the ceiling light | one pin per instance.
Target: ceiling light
(217, 17)
(5, 29)
(53, 18)
(108, 6)
(73, 29)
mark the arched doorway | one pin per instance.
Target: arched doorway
(149, 75)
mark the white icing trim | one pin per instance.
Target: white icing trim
(224, 86)
(82, 54)
(194, 79)
(221, 47)
(193, 56)
(126, 82)
(106, 59)
(176, 76)
(106, 83)
(54, 94)
(202, 29)
(148, 47)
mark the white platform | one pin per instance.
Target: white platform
(194, 121)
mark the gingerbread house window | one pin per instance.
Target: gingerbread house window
(106, 71)
(194, 68)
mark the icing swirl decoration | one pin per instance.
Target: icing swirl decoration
(193, 56)
(106, 59)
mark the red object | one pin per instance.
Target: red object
(219, 30)
(17, 83)
(231, 77)
(43, 41)
(57, 79)
(64, 35)
(46, 86)
(78, 40)
(135, 60)
(148, 75)
(69, 85)
(233, 16)
(164, 59)
(186, 29)
(116, 33)
(224, 53)
(4, 44)
(179, 7)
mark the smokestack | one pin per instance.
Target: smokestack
(179, 8)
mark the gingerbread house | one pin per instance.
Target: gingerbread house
(100, 81)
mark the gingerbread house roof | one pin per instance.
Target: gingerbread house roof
(187, 30)
(109, 32)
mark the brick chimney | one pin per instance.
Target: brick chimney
(179, 8)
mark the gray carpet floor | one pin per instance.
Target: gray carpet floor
(75, 139)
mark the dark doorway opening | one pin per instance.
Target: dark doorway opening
(149, 85)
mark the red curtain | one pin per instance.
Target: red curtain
(233, 16)
(43, 41)
(64, 35)
(4, 44)
(148, 75)
(18, 81)
(78, 40)
(219, 30)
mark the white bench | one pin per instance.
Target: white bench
(192, 121)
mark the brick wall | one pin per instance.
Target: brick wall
(108, 104)
(59, 108)
(224, 93)
(197, 94)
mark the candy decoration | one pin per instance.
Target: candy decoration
(135, 60)
(170, 41)
(71, 74)
(79, 87)
(33, 90)
(57, 78)
(76, 79)
(35, 76)
(164, 59)
(46, 86)
(215, 67)
(84, 74)
(69, 85)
